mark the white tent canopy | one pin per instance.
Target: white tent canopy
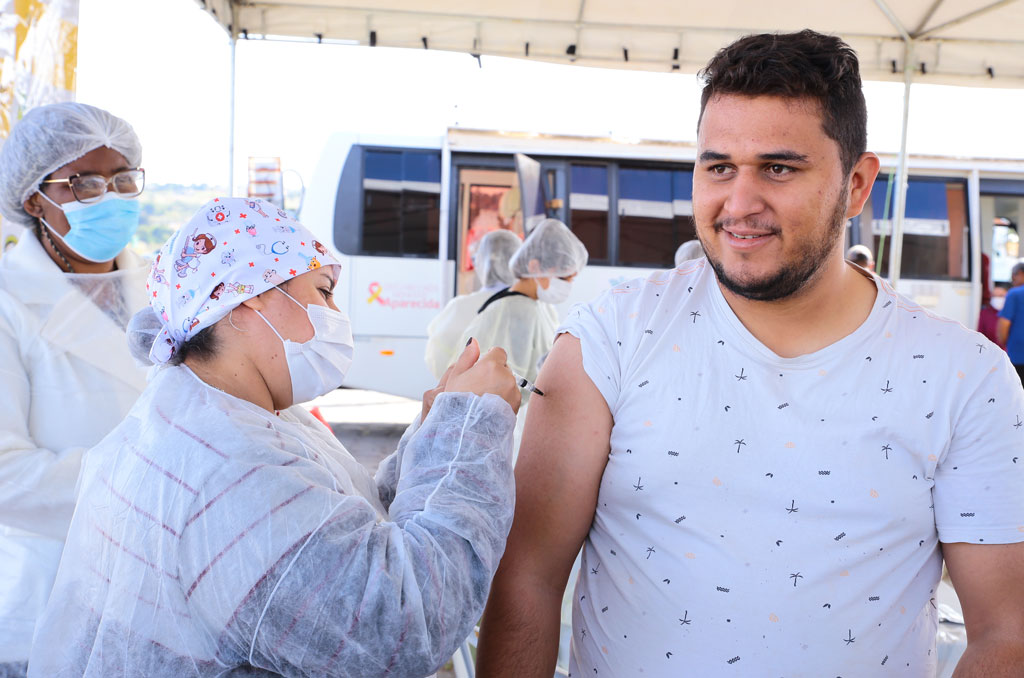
(948, 42)
(955, 41)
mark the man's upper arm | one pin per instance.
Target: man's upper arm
(562, 458)
(1002, 330)
(979, 507)
(987, 579)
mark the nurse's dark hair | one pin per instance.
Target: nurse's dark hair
(200, 347)
(804, 65)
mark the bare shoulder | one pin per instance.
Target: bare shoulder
(563, 454)
(572, 409)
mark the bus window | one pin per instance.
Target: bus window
(655, 215)
(401, 203)
(935, 233)
(588, 209)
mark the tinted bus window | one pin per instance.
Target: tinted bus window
(588, 208)
(401, 202)
(655, 215)
(935, 233)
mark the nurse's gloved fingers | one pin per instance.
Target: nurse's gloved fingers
(428, 396)
(444, 377)
(466, 360)
(490, 374)
(497, 358)
(497, 355)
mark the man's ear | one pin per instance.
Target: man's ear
(33, 205)
(862, 178)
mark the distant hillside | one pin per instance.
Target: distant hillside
(166, 207)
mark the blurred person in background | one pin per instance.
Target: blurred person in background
(988, 318)
(861, 255)
(1010, 328)
(1017, 275)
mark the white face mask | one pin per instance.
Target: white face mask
(557, 291)
(318, 366)
(997, 303)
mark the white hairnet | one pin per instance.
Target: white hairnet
(141, 332)
(492, 255)
(49, 137)
(860, 251)
(690, 249)
(550, 251)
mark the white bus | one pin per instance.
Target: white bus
(404, 215)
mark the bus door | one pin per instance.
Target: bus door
(1002, 213)
(487, 197)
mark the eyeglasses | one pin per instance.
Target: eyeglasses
(89, 188)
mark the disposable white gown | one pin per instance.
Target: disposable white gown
(66, 380)
(445, 330)
(212, 538)
(525, 328)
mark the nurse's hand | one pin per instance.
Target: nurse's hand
(489, 374)
(473, 350)
(474, 374)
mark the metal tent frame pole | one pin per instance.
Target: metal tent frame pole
(899, 206)
(231, 120)
(896, 249)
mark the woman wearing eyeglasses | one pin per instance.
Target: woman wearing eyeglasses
(70, 174)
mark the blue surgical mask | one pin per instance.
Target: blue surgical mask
(99, 230)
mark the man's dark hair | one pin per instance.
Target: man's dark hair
(1017, 268)
(804, 65)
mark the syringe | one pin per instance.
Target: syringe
(523, 382)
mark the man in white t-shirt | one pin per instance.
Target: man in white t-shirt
(766, 455)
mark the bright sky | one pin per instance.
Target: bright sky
(164, 66)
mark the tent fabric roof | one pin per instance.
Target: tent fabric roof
(979, 42)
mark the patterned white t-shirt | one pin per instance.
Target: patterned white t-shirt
(764, 516)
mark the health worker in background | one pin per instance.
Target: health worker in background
(688, 251)
(522, 319)
(490, 263)
(221, 530)
(70, 174)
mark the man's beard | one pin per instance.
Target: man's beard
(794, 275)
